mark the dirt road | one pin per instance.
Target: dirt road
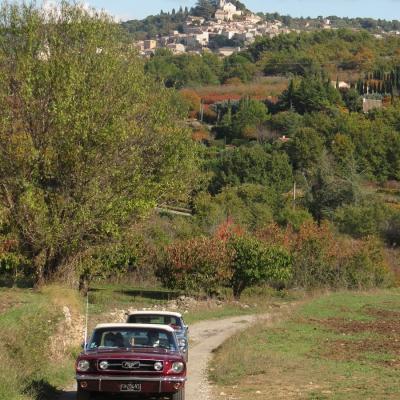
(205, 337)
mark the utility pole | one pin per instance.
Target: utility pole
(294, 194)
(201, 111)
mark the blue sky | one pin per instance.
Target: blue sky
(387, 9)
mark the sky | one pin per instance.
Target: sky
(138, 9)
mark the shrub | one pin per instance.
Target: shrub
(321, 258)
(253, 263)
(196, 265)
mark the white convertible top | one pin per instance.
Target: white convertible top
(139, 326)
(174, 314)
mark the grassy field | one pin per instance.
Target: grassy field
(341, 346)
(31, 368)
(106, 298)
(261, 88)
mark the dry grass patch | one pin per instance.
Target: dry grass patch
(343, 346)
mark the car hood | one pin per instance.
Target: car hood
(143, 354)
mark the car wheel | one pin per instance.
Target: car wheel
(82, 395)
(179, 395)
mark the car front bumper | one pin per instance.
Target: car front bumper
(112, 384)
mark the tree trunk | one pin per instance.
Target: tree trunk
(83, 285)
(238, 288)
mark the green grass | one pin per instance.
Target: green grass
(27, 321)
(340, 346)
(104, 298)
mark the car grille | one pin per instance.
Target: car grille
(130, 365)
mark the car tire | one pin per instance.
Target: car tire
(83, 395)
(179, 395)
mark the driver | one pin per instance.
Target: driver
(154, 340)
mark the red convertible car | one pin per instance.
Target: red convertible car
(133, 359)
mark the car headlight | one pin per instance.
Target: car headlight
(182, 342)
(103, 365)
(83, 365)
(158, 366)
(178, 367)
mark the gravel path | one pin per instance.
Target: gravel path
(205, 337)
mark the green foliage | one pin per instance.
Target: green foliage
(253, 263)
(95, 143)
(286, 122)
(250, 205)
(192, 69)
(183, 70)
(313, 93)
(352, 100)
(155, 25)
(238, 66)
(305, 149)
(362, 220)
(299, 53)
(250, 116)
(252, 165)
(328, 192)
(294, 217)
(204, 8)
(36, 362)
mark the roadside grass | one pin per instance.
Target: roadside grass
(106, 298)
(28, 319)
(340, 346)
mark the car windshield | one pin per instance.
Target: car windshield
(170, 320)
(132, 338)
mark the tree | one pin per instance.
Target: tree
(306, 148)
(251, 116)
(252, 165)
(204, 8)
(253, 263)
(88, 143)
(353, 100)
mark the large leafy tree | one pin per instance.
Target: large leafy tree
(88, 143)
(205, 8)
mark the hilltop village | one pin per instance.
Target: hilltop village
(229, 26)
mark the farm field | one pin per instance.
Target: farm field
(260, 88)
(341, 346)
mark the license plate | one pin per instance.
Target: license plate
(131, 387)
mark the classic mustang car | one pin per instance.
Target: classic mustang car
(134, 359)
(173, 319)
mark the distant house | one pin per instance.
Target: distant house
(370, 104)
(283, 139)
(176, 48)
(150, 44)
(226, 11)
(341, 85)
(227, 51)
